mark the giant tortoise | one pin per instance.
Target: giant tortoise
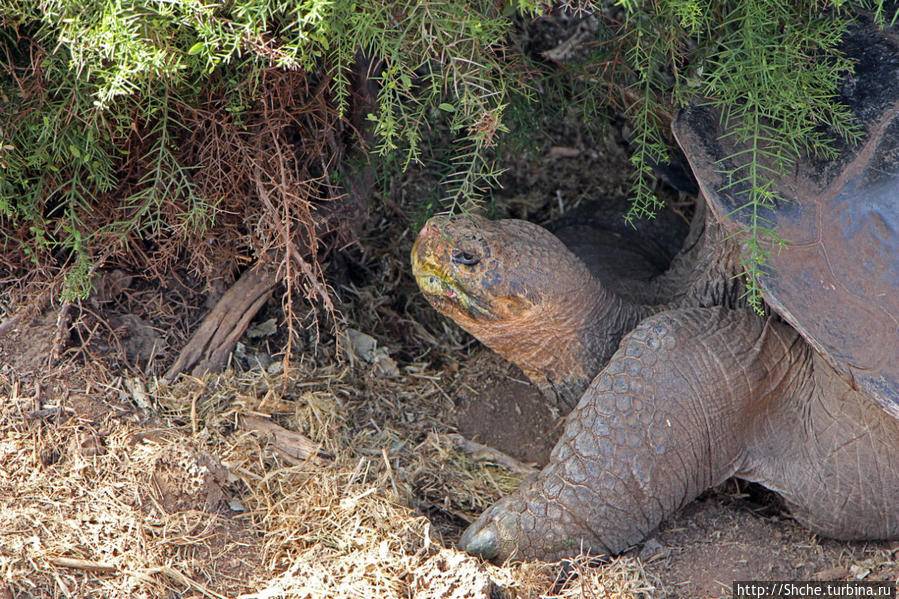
(678, 395)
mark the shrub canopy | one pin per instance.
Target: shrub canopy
(149, 133)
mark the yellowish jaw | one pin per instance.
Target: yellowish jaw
(438, 284)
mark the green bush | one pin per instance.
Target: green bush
(138, 127)
(84, 79)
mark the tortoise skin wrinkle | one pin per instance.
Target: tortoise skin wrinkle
(677, 385)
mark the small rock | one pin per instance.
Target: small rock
(361, 345)
(365, 347)
(835, 573)
(859, 572)
(563, 152)
(386, 366)
(263, 329)
(109, 285)
(262, 360)
(135, 386)
(139, 338)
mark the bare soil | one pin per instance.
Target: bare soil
(498, 407)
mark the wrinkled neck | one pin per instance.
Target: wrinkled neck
(564, 342)
(706, 272)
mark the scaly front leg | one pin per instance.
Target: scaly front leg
(667, 418)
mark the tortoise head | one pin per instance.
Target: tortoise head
(484, 273)
(521, 292)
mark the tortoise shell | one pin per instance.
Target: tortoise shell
(837, 280)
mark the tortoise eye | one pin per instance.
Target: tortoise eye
(463, 257)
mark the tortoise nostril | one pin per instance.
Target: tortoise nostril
(464, 258)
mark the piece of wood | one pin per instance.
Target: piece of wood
(82, 564)
(479, 451)
(293, 446)
(217, 335)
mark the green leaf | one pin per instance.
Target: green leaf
(446, 107)
(196, 48)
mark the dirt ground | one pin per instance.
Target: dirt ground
(339, 478)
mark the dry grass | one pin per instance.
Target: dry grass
(98, 499)
(177, 498)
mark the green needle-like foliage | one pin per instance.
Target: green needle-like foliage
(775, 82)
(95, 143)
(116, 115)
(771, 67)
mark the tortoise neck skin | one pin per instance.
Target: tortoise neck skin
(522, 293)
(707, 271)
(568, 342)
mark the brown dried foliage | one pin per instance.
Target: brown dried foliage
(265, 170)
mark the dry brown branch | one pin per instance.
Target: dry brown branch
(216, 337)
(293, 446)
(482, 452)
(63, 319)
(82, 564)
(287, 142)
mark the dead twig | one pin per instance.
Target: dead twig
(293, 446)
(82, 564)
(482, 452)
(63, 320)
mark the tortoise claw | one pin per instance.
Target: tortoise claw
(481, 541)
